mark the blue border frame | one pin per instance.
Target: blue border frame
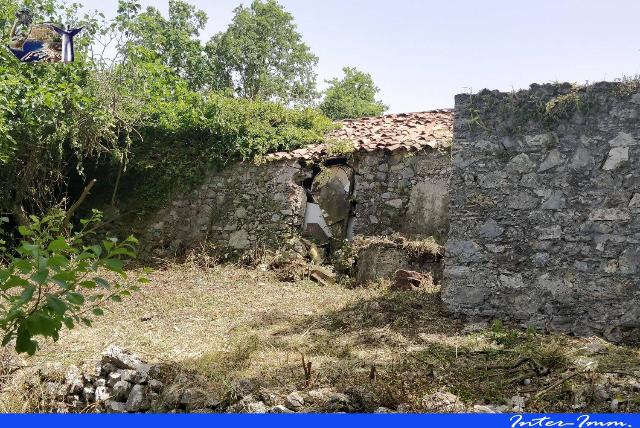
(334, 421)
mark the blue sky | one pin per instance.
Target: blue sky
(421, 53)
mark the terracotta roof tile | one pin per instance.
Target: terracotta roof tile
(409, 131)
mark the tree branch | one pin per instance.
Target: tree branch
(76, 205)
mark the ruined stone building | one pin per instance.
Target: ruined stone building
(373, 176)
(536, 193)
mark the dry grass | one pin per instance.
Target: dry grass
(428, 246)
(213, 325)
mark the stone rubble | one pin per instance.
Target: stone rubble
(138, 390)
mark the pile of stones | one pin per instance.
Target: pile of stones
(120, 382)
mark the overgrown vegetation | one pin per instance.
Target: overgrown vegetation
(52, 279)
(153, 118)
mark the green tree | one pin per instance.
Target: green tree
(262, 56)
(50, 120)
(173, 40)
(352, 97)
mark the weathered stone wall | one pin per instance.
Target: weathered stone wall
(239, 208)
(404, 192)
(545, 204)
(247, 205)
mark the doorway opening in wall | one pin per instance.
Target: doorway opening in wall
(330, 207)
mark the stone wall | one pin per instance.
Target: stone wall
(239, 208)
(545, 204)
(405, 192)
(249, 205)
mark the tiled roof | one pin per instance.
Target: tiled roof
(409, 131)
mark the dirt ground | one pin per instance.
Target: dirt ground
(388, 349)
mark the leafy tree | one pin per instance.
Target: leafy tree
(173, 40)
(138, 121)
(50, 121)
(262, 56)
(53, 280)
(352, 97)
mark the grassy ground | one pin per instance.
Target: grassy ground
(215, 324)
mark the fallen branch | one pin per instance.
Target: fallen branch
(558, 383)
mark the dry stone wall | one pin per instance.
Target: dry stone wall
(404, 192)
(247, 206)
(545, 209)
(239, 208)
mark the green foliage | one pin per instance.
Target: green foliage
(501, 335)
(150, 109)
(53, 281)
(49, 117)
(195, 134)
(262, 56)
(173, 41)
(337, 146)
(352, 97)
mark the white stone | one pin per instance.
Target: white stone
(120, 358)
(522, 201)
(490, 229)
(280, 409)
(241, 212)
(442, 401)
(239, 240)
(137, 400)
(256, 407)
(520, 164)
(609, 214)
(635, 201)
(555, 202)
(102, 394)
(395, 203)
(629, 261)
(294, 401)
(553, 159)
(617, 156)
(512, 281)
(518, 403)
(581, 158)
(623, 140)
(538, 140)
(121, 390)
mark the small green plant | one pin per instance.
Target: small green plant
(563, 106)
(53, 279)
(338, 146)
(503, 336)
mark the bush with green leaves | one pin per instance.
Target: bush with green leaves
(55, 279)
(144, 121)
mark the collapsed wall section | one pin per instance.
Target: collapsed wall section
(248, 205)
(545, 209)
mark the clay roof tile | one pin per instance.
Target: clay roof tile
(411, 131)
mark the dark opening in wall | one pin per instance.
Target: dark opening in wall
(330, 208)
